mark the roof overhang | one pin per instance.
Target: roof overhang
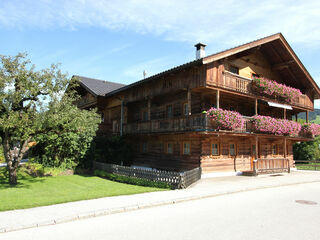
(263, 41)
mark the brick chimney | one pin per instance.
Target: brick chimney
(200, 52)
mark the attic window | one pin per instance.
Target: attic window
(254, 75)
(234, 69)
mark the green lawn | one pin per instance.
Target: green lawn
(307, 167)
(41, 191)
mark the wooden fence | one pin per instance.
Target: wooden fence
(308, 165)
(175, 179)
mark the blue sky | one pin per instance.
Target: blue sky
(117, 40)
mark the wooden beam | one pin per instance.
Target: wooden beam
(256, 106)
(307, 116)
(284, 113)
(189, 101)
(296, 117)
(218, 99)
(282, 65)
(149, 109)
(285, 147)
(257, 148)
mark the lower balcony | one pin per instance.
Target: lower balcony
(197, 123)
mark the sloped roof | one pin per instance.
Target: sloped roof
(271, 41)
(98, 87)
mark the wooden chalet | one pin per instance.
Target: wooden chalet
(161, 116)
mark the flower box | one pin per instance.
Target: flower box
(224, 119)
(266, 124)
(275, 90)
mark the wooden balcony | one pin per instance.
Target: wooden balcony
(234, 82)
(194, 122)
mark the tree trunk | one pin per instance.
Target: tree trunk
(13, 176)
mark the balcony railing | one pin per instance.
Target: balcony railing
(240, 84)
(194, 122)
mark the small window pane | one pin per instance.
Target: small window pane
(234, 69)
(145, 116)
(274, 149)
(170, 148)
(215, 149)
(169, 111)
(185, 109)
(232, 149)
(144, 147)
(186, 148)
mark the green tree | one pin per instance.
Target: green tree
(34, 102)
(307, 150)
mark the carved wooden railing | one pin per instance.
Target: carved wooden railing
(240, 84)
(269, 165)
(194, 122)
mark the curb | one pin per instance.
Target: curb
(110, 211)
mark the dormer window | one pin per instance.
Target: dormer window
(234, 69)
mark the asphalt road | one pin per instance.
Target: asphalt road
(260, 214)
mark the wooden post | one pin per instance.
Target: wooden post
(121, 118)
(218, 99)
(284, 113)
(256, 106)
(149, 109)
(189, 101)
(256, 148)
(296, 117)
(307, 116)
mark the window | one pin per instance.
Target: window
(254, 75)
(215, 149)
(169, 148)
(186, 148)
(274, 149)
(234, 69)
(145, 116)
(185, 109)
(102, 116)
(169, 111)
(144, 147)
(232, 149)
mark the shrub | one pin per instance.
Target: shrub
(266, 124)
(225, 119)
(130, 180)
(272, 88)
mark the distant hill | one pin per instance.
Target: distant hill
(313, 116)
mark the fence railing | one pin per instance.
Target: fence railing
(175, 179)
(308, 165)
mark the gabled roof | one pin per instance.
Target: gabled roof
(98, 87)
(275, 42)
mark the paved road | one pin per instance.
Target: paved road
(260, 214)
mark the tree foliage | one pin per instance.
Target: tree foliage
(307, 150)
(33, 103)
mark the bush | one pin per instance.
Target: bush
(130, 180)
(112, 150)
(307, 150)
(1, 154)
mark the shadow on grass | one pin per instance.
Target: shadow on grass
(23, 182)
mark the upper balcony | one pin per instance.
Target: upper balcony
(243, 85)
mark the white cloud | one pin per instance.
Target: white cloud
(230, 21)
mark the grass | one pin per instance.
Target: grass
(42, 191)
(307, 167)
